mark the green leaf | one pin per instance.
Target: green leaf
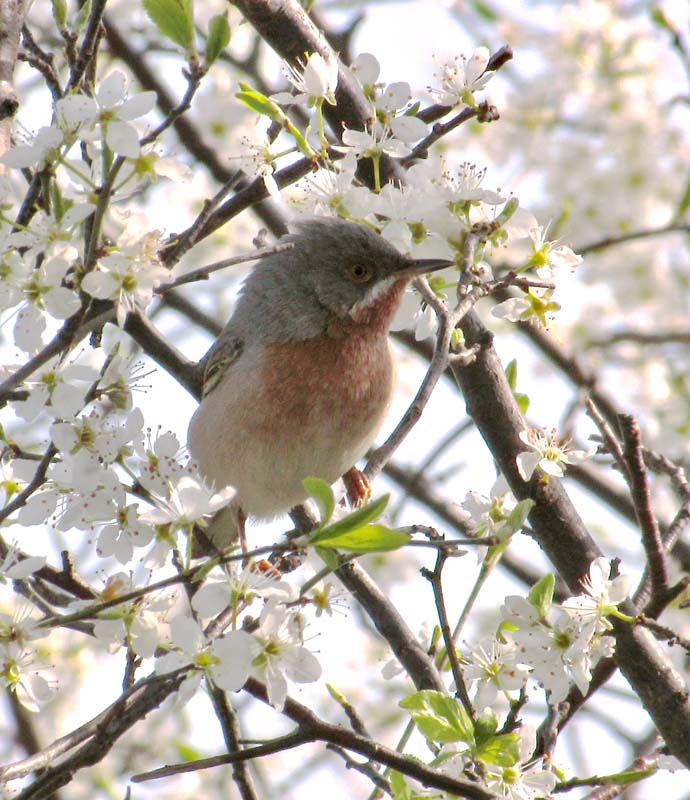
(511, 374)
(508, 210)
(484, 10)
(518, 516)
(322, 493)
(684, 204)
(502, 750)
(367, 539)
(541, 594)
(60, 13)
(353, 521)
(485, 727)
(522, 401)
(83, 16)
(201, 573)
(625, 778)
(259, 102)
(174, 19)
(439, 717)
(399, 787)
(330, 557)
(263, 105)
(401, 791)
(187, 752)
(218, 37)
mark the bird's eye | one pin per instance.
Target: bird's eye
(359, 273)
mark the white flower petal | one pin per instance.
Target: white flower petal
(526, 462)
(25, 567)
(61, 303)
(123, 139)
(103, 285)
(112, 89)
(137, 106)
(301, 666)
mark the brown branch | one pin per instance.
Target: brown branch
(163, 352)
(639, 491)
(97, 737)
(438, 365)
(440, 129)
(248, 197)
(563, 537)
(231, 733)
(435, 579)
(189, 135)
(310, 724)
(392, 627)
(633, 236)
(42, 62)
(203, 273)
(642, 337)
(88, 48)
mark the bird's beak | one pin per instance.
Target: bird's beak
(420, 266)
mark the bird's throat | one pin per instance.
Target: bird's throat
(377, 308)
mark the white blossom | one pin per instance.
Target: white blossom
(258, 158)
(282, 654)
(137, 624)
(107, 115)
(161, 463)
(19, 674)
(547, 256)
(188, 502)
(494, 668)
(127, 532)
(556, 649)
(45, 149)
(546, 453)
(225, 660)
(461, 77)
(65, 386)
(602, 595)
(466, 185)
(13, 567)
(127, 277)
(522, 780)
(314, 80)
(251, 583)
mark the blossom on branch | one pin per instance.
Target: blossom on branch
(461, 77)
(547, 453)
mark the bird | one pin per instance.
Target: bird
(301, 378)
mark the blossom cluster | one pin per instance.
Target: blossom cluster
(137, 499)
(556, 644)
(42, 269)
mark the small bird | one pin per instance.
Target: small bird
(302, 376)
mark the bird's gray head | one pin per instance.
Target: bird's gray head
(342, 263)
(335, 268)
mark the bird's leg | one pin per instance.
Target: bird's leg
(241, 530)
(357, 487)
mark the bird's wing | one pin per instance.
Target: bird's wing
(216, 362)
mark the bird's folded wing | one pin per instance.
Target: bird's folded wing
(216, 362)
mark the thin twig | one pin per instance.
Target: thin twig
(231, 732)
(434, 577)
(633, 236)
(641, 496)
(203, 273)
(448, 320)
